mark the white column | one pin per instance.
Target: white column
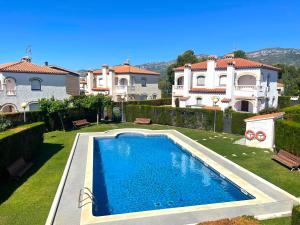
(187, 74)
(110, 81)
(210, 75)
(89, 81)
(104, 74)
(230, 80)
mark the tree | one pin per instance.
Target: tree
(240, 54)
(187, 57)
(290, 76)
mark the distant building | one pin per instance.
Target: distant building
(26, 82)
(280, 88)
(239, 83)
(129, 82)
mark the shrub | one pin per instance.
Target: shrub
(268, 110)
(238, 125)
(22, 141)
(287, 135)
(4, 124)
(296, 215)
(180, 117)
(284, 101)
(154, 102)
(292, 113)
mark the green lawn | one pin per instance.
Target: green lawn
(28, 200)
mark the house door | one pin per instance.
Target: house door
(245, 106)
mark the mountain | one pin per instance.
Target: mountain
(290, 56)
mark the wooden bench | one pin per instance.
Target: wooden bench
(289, 160)
(18, 168)
(142, 121)
(79, 123)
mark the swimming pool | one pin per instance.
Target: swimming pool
(134, 172)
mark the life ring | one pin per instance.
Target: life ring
(260, 136)
(249, 134)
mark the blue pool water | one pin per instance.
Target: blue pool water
(134, 173)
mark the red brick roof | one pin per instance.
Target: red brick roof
(125, 69)
(209, 90)
(239, 63)
(266, 116)
(28, 67)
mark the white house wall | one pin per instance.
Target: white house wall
(51, 86)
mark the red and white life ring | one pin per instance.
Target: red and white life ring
(249, 134)
(260, 136)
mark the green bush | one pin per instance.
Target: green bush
(284, 101)
(238, 125)
(154, 102)
(180, 117)
(292, 113)
(4, 124)
(22, 141)
(296, 215)
(287, 135)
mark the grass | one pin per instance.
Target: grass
(28, 200)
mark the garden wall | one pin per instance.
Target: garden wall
(22, 141)
(180, 117)
(287, 135)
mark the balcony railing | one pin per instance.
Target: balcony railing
(124, 89)
(177, 87)
(247, 87)
(11, 92)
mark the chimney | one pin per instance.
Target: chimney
(230, 79)
(46, 63)
(104, 74)
(26, 59)
(210, 75)
(126, 62)
(187, 79)
(229, 56)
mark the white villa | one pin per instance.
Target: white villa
(25, 82)
(239, 83)
(124, 82)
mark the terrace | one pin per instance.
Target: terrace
(20, 203)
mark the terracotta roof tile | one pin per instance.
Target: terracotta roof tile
(100, 89)
(240, 63)
(226, 100)
(124, 69)
(266, 116)
(209, 90)
(27, 67)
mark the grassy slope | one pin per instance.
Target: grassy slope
(28, 201)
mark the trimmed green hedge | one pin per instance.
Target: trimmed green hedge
(154, 102)
(180, 117)
(296, 215)
(238, 125)
(292, 113)
(287, 135)
(22, 141)
(284, 101)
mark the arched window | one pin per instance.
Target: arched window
(199, 101)
(144, 82)
(200, 80)
(35, 84)
(100, 81)
(8, 108)
(180, 80)
(10, 86)
(123, 81)
(222, 80)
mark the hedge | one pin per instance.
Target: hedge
(22, 141)
(180, 117)
(284, 101)
(238, 125)
(296, 215)
(292, 113)
(287, 135)
(155, 102)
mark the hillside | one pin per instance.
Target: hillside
(290, 56)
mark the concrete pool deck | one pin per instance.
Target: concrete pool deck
(272, 201)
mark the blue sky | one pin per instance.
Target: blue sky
(87, 34)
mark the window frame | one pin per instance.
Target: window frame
(222, 85)
(40, 84)
(144, 79)
(198, 79)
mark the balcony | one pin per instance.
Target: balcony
(11, 92)
(177, 90)
(124, 89)
(250, 90)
